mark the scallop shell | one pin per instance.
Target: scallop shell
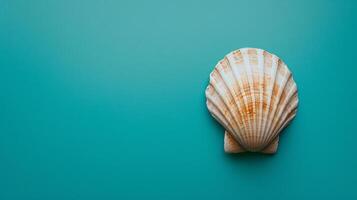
(253, 95)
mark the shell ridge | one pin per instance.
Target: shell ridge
(238, 70)
(277, 101)
(236, 81)
(240, 86)
(283, 105)
(266, 85)
(227, 104)
(219, 100)
(290, 100)
(252, 96)
(218, 115)
(288, 120)
(246, 116)
(291, 106)
(215, 103)
(273, 99)
(213, 106)
(261, 89)
(270, 94)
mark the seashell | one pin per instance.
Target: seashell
(253, 95)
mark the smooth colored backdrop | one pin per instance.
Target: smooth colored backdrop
(105, 99)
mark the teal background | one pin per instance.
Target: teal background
(105, 99)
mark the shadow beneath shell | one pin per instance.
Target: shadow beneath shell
(248, 157)
(251, 163)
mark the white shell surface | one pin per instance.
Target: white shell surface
(253, 95)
